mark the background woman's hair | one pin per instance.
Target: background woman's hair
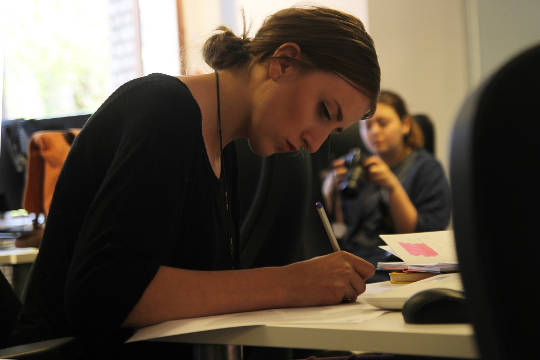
(330, 40)
(415, 137)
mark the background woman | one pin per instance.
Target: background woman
(404, 190)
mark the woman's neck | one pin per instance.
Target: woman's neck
(234, 109)
(396, 157)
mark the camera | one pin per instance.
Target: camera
(356, 173)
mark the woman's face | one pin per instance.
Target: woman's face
(298, 109)
(383, 133)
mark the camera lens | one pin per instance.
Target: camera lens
(355, 175)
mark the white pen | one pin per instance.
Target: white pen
(327, 226)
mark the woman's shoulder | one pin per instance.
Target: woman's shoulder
(156, 94)
(425, 162)
(154, 85)
(424, 156)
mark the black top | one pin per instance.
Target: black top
(137, 191)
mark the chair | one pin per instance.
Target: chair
(495, 189)
(272, 232)
(11, 305)
(428, 130)
(280, 224)
(16, 135)
(47, 152)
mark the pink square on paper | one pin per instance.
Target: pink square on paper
(419, 249)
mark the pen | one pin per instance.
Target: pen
(327, 226)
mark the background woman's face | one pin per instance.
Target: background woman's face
(384, 131)
(302, 110)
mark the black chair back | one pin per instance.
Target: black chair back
(428, 130)
(279, 222)
(10, 306)
(496, 194)
(272, 232)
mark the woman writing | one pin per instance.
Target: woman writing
(143, 228)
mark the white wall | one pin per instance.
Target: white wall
(201, 17)
(434, 52)
(500, 30)
(422, 51)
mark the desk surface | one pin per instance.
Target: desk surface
(16, 256)
(387, 333)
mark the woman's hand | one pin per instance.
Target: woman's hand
(402, 210)
(327, 279)
(380, 173)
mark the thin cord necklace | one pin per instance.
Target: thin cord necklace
(223, 177)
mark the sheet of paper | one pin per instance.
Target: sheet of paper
(342, 313)
(424, 248)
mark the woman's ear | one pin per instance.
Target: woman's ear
(283, 60)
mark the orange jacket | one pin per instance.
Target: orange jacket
(47, 152)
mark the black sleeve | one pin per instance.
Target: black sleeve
(129, 226)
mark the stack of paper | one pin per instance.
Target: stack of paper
(393, 296)
(432, 251)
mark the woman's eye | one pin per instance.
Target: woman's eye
(324, 111)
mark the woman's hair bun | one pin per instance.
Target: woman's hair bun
(226, 50)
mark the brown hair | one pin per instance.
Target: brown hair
(415, 137)
(330, 40)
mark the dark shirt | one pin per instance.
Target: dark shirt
(368, 215)
(136, 192)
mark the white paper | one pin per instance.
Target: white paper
(342, 313)
(423, 248)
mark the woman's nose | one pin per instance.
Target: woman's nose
(315, 138)
(374, 129)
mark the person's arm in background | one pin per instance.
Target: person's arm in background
(403, 212)
(332, 198)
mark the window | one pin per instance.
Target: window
(56, 57)
(65, 57)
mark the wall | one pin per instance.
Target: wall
(434, 52)
(201, 17)
(422, 50)
(500, 30)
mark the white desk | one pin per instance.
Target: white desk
(16, 256)
(387, 333)
(18, 262)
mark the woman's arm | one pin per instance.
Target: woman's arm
(402, 210)
(177, 293)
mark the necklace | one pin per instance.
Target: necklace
(223, 179)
